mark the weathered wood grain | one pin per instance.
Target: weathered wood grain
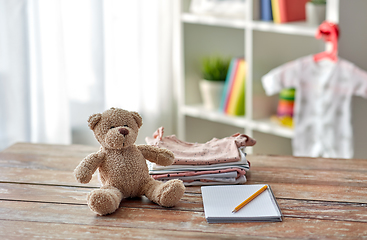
(40, 230)
(43, 152)
(54, 163)
(353, 212)
(43, 176)
(312, 177)
(296, 176)
(43, 156)
(43, 193)
(39, 197)
(306, 163)
(319, 192)
(76, 195)
(310, 192)
(190, 202)
(282, 187)
(175, 220)
(74, 150)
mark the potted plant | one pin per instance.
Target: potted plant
(315, 12)
(214, 71)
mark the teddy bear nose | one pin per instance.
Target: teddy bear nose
(124, 131)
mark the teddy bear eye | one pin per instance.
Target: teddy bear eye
(112, 127)
(125, 125)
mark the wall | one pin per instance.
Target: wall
(352, 47)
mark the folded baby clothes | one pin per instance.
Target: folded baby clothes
(227, 175)
(219, 161)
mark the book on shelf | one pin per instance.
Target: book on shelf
(266, 13)
(236, 103)
(220, 201)
(234, 96)
(288, 10)
(228, 84)
(275, 10)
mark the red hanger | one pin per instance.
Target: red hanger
(330, 33)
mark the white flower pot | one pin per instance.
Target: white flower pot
(315, 13)
(211, 93)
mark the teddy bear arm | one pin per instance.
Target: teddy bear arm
(84, 171)
(160, 156)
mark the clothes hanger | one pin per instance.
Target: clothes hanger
(330, 33)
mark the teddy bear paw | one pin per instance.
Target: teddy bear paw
(166, 157)
(172, 192)
(103, 202)
(167, 154)
(83, 175)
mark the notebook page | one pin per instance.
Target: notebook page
(219, 201)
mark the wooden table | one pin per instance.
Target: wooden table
(39, 198)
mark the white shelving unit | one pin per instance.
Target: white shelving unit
(265, 45)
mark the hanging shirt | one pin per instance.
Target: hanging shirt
(322, 113)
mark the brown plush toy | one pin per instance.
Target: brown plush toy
(122, 164)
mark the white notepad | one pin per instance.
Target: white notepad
(219, 202)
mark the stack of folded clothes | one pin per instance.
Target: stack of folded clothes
(219, 161)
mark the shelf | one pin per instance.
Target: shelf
(263, 125)
(265, 45)
(198, 111)
(267, 126)
(213, 21)
(294, 28)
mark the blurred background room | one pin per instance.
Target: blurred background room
(63, 60)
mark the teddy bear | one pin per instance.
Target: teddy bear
(123, 171)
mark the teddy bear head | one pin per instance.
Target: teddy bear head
(115, 128)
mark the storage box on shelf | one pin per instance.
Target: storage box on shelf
(264, 45)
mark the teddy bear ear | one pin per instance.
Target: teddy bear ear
(137, 118)
(93, 120)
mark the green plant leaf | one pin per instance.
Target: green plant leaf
(318, 1)
(215, 68)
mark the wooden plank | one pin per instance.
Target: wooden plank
(43, 156)
(43, 152)
(189, 202)
(309, 192)
(74, 150)
(41, 193)
(75, 195)
(39, 162)
(353, 212)
(281, 185)
(39, 230)
(171, 220)
(306, 163)
(256, 174)
(43, 176)
(320, 192)
(312, 177)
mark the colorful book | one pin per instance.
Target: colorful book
(233, 81)
(291, 10)
(236, 99)
(266, 12)
(239, 109)
(275, 9)
(230, 89)
(228, 84)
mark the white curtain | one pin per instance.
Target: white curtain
(63, 60)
